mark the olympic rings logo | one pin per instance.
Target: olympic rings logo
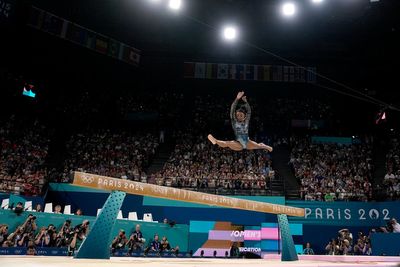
(87, 179)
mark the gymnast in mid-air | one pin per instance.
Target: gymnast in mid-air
(240, 119)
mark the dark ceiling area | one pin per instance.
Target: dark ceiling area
(340, 29)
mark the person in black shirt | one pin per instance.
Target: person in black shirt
(119, 241)
(155, 244)
(136, 240)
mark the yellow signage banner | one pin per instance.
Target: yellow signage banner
(151, 190)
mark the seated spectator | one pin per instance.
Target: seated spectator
(136, 240)
(38, 208)
(155, 245)
(57, 209)
(119, 241)
(78, 212)
(166, 247)
(332, 248)
(308, 250)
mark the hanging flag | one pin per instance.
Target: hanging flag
(260, 72)
(285, 73)
(113, 48)
(101, 44)
(267, 73)
(311, 75)
(36, 18)
(232, 72)
(200, 70)
(240, 72)
(91, 41)
(131, 55)
(189, 69)
(291, 74)
(52, 24)
(76, 34)
(249, 72)
(222, 71)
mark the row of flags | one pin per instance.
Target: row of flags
(201, 70)
(47, 22)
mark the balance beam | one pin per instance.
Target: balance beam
(151, 190)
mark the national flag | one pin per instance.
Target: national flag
(240, 69)
(291, 74)
(36, 18)
(277, 73)
(113, 48)
(188, 70)
(101, 44)
(285, 73)
(131, 55)
(200, 70)
(302, 77)
(232, 72)
(250, 72)
(267, 73)
(259, 69)
(76, 33)
(222, 71)
(91, 40)
(212, 70)
(52, 24)
(311, 75)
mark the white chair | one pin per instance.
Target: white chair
(48, 208)
(132, 216)
(28, 205)
(67, 209)
(147, 217)
(98, 211)
(5, 203)
(120, 217)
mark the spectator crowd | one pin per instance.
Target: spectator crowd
(329, 172)
(24, 148)
(119, 154)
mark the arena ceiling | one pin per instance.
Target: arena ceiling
(334, 30)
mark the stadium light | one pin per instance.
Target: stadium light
(175, 4)
(317, 1)
(288, 9)
(230, 33)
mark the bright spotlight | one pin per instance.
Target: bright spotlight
(175, 4)
(317, 1)
(288, 9)
(230, 33)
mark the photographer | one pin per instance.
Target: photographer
(46, 237)
(15, 237)
(3, 234)
(344, 247)
(79, 234)
(65, 235)
(136, 240)
(30, 224)
(119, 241)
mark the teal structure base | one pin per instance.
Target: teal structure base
(288, 248)
(97, 243)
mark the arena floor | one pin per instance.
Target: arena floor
(29, 261)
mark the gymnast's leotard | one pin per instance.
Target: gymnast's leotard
(241, 129)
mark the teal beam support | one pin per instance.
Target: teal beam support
(288, 249)
(97, 243)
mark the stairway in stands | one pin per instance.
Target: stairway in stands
(285, 175)
(163, 153)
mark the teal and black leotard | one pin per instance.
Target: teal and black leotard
(241, 129)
